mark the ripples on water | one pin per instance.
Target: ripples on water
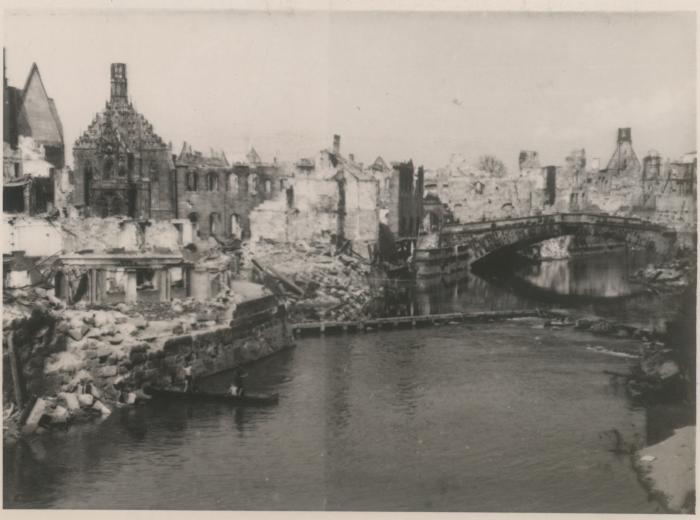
(497, 417)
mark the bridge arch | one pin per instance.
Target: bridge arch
(459, 246)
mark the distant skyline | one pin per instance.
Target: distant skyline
(399, 85)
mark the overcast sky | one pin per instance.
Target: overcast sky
(400, 85)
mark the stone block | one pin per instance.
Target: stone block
(104, 411)
(77, 333)
(108, 371)
(70, 400)
(137, 358)
(32, 422)
(116, 339)
(178, 344)
(59, 415)
(141, 347)
(85, 400)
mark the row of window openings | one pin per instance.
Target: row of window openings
(192, 182)
(121, 170)
(216, 225)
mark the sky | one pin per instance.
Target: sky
(402, 85)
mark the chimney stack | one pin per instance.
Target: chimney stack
(624, 135)
(336, 144)
(119, 90)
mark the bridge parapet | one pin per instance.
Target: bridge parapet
(558, 218)
(458, 246)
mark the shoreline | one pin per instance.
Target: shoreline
(667, 471)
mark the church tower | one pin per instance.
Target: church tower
(119, 86)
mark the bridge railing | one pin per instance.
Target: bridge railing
(558, 218)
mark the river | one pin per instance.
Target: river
(494, 417)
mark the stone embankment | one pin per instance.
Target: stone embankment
(82, 360)
(667, 470)
(666, 374)
(319, 282)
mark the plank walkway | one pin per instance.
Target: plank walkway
(322, 327)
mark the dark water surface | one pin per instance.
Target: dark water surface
(500, 417)
(493, 417)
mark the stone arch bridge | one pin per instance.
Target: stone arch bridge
(456, 247)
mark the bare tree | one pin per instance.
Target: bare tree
(491, 164)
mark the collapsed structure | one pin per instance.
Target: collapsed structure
(664, 193)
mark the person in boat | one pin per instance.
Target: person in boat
(189, 380)
(236, 387)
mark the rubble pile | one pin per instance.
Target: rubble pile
(330, 284)
(676, 273)
(79, 360)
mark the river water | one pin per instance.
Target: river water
(495, 417)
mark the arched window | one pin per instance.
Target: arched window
(214, 224)
(194, 220)
(253, 184)
(107, 166)
(235, 225)
(268, 186)
(387, 184)
(192, 181)
(233, 183)
(121, 171)
(281, 184)
(213, 181)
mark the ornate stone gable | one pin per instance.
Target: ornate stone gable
(134, 130)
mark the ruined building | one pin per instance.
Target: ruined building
(218, 197)
(33, 150)
(405, 199)
(623, 167)
(122, 167)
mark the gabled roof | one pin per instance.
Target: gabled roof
(379, 164)
(133, 128)
(253, 157)
(354, 169)
(38, 116)
(195, 158)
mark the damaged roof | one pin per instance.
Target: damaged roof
(36, 112)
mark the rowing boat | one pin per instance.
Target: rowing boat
(247, 399)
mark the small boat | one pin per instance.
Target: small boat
(247, 399)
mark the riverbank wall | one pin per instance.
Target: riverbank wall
(248, 338)
(64, 365)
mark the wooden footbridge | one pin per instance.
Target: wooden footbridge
(424, 320)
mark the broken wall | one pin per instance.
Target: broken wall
(361, 211)
(34, 236)
(38, 237)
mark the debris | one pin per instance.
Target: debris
(85, 400)
(32, 422)
(70, 400)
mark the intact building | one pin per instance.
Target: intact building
(122, 167)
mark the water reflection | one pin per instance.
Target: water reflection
(601, 280)
(594, 276)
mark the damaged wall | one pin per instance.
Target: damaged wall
(38, 237)
(220, 200)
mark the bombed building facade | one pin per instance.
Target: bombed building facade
(33, 149)
(217, 197)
